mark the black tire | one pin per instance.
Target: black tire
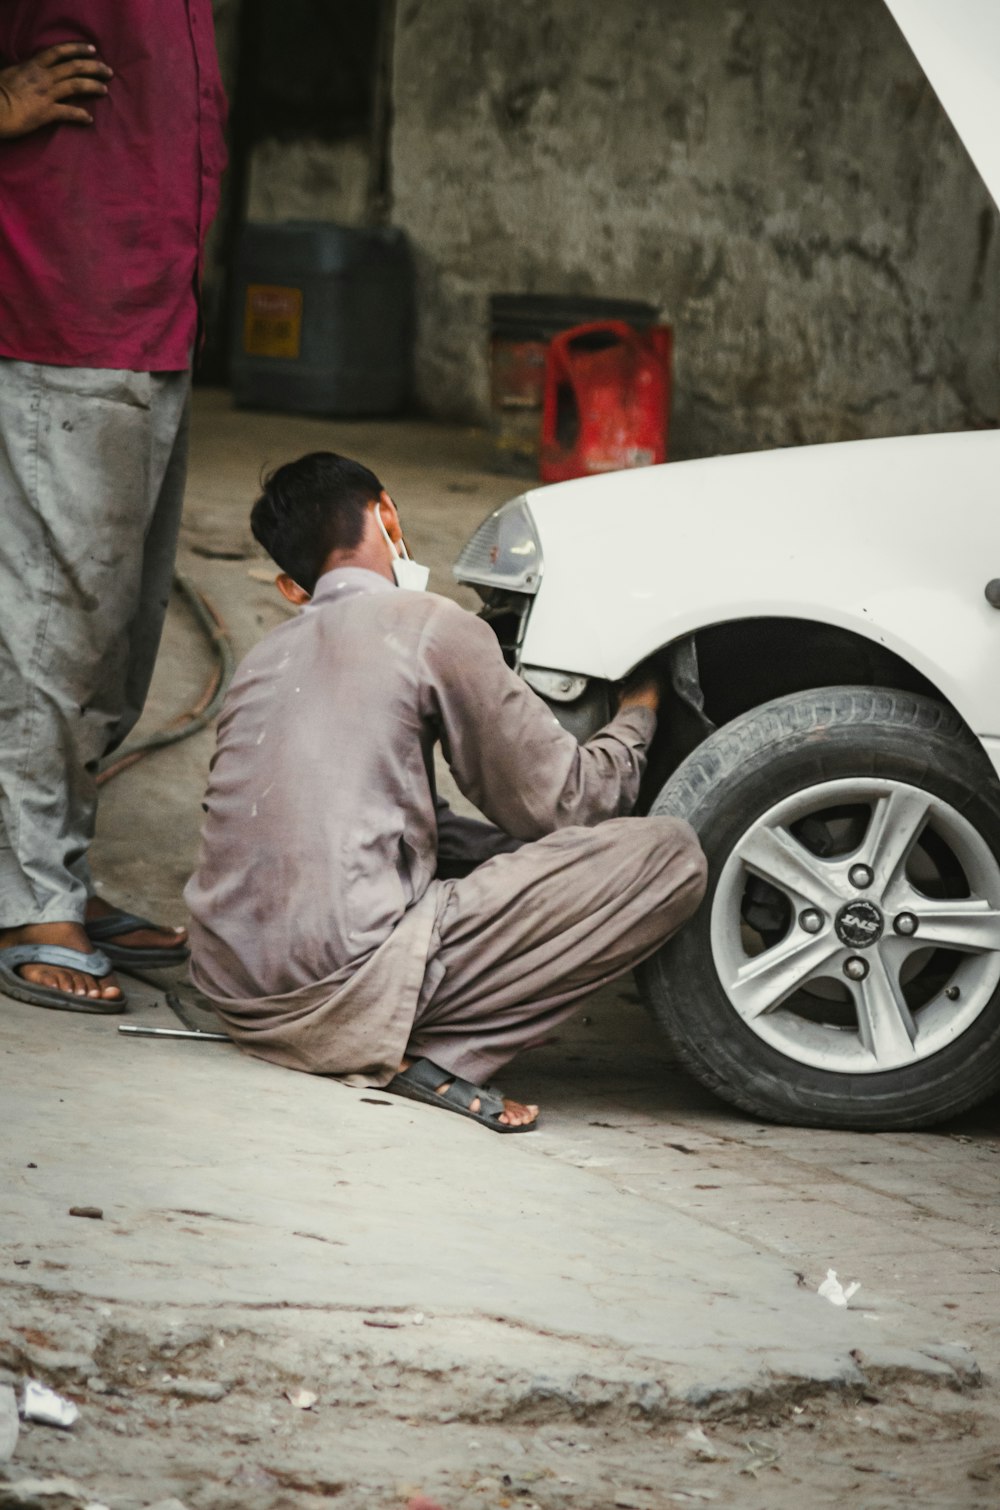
(724, 787)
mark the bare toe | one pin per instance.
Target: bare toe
(70, 982)
(516, 1115)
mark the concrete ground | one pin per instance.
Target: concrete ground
(617, 1310)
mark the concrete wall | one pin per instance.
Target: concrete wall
(309, 180)
(778, 177)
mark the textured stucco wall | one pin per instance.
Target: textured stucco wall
(309, 180)
(778, 177)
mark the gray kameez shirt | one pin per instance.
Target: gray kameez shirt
(314, 899)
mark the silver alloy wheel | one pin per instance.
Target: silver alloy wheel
(864, 977)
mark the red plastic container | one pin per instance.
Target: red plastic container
(607, 400)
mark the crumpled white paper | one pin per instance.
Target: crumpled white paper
(698, 1441)
(302, 1399)
(837, 1294)
(39, 1403)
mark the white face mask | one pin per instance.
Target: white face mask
(407, 572)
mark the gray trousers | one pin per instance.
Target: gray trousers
(92, 470)
(525, 935)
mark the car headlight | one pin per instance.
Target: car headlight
(504, 551)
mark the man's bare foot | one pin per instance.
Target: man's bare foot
(141, 938)
(57, 977)
(513, 1114)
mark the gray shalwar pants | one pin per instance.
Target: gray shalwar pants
(92, 470)
(519, 940)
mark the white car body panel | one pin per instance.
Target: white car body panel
(893, 539)
(957, 44)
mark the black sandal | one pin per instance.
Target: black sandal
(420, 1083)
(103, 932)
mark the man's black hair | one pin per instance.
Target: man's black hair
(311, 507)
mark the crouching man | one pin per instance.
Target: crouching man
(344, 920)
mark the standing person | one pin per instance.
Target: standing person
(344, 921)
(111, 152)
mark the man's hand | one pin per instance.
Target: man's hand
(33, 94)
(640, 691)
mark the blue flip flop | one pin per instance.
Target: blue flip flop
(104, 931)
(96, 964)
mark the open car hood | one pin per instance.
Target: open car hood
(957, 44)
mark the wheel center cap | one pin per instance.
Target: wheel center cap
(859, 924)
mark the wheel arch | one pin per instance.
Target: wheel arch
(745, 662)
(726, 669)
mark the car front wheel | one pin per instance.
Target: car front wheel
(844, 969)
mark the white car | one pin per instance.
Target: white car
(833, 726)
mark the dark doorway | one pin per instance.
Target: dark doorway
(306, 70)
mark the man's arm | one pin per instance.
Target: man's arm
(35, 94)
(506, 750)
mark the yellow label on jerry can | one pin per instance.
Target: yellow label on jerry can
(272, 321)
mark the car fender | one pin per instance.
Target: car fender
(893, 539)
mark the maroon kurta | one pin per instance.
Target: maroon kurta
(102, 227)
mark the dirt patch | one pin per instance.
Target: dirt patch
(203, 1409)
